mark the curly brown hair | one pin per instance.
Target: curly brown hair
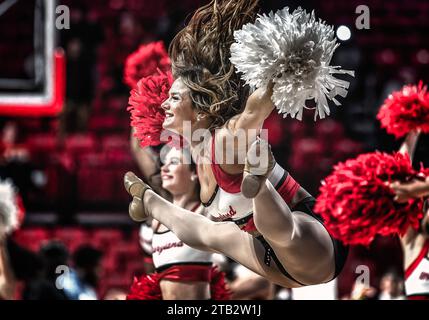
(200, 55)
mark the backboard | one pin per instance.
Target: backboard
(32, 69)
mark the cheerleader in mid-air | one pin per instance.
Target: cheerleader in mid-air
(181, 272)
(260, 216)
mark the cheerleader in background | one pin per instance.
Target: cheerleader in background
(415, 243)
(147, 159)
(182, 273)
(406, 113)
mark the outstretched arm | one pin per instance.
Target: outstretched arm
(145, 158)
(409, 144)
(258, 107)
(414, 189)
(244, 128)
(425, 223)
(149, 164)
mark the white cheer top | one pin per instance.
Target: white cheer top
(168, 250)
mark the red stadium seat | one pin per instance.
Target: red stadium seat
(42, 142)
(32, 238)
(94, 185)
(346, 148)
(115, 142)
(329, 130)
(80, 143)
(72, 237)
(106, 237)
(128, 250)
(103, 123)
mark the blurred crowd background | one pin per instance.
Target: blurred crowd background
(69, 169)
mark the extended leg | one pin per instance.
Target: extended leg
(300, 242)
(201, 233)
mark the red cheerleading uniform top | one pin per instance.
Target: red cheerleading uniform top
(228, 203)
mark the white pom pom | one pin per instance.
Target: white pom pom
(8, 209)
(294, 51)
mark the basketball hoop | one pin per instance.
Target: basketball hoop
(44, 93)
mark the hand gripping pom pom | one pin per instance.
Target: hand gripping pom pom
(145, 62)
(294, 51)
(406, 110)
(145, 103)
(357, 204)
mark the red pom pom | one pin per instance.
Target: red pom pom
(356, 204)
(406, 110)
(145, 61)
(145, 288)
(145, 102)
(218, 286)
